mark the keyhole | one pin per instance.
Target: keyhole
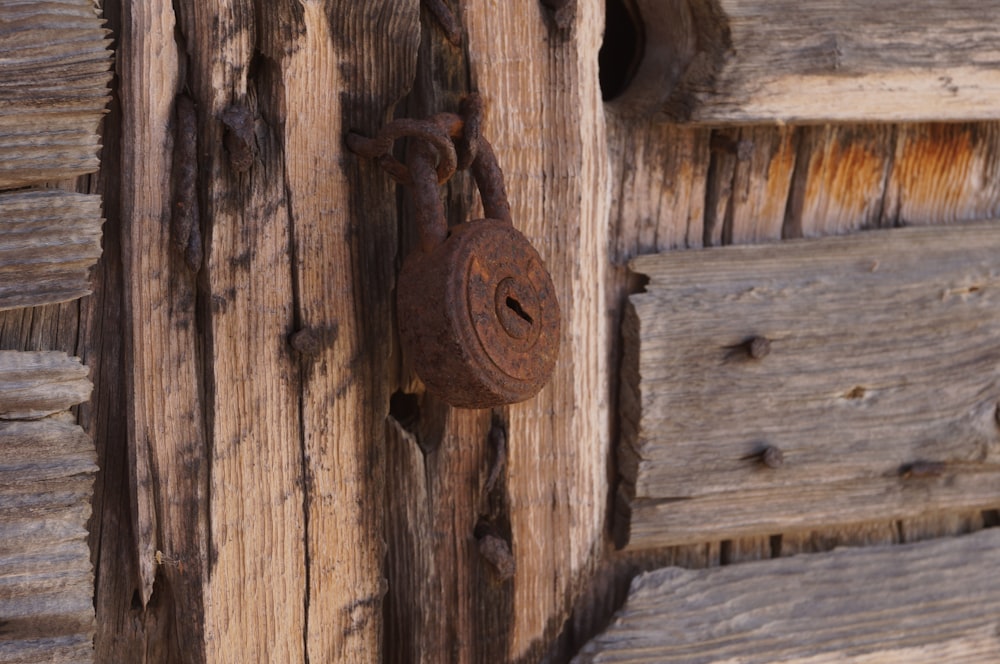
(515, 306)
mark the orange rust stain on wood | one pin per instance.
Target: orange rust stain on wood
(779, 174)
(948, 172)
(845, 181)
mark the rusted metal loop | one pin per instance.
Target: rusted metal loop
(468, 142)
(489, 178)
(429, 131)
(428, 208)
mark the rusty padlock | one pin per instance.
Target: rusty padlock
(476, 306)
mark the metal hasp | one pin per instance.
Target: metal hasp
(477, 309)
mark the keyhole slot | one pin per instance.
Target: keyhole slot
(516, 307)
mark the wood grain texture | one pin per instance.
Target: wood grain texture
(928, 602)
(896, 425)
(167, 439)
(546, 123)
(53, 89)
(49, 239)
(34, 385)
(47, 471)
(754, 61)
(258, 469)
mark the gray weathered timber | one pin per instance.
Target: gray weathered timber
(767, 61)
(930, 602)
(47, 469)
(880, 387)
(49, 240)
(37, 384)
(53, 89)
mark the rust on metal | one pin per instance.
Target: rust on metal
(239, 138)
(446, 19)
(476, 306)
(185, 221)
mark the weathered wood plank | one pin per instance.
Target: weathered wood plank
(928, 602)
(46, 578)
(49, 239)
(53, 89)
(167, 452)
(870, 426)
(761, 61)
(33, 385)
(553, 155)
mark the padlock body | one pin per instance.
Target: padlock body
(479, 316)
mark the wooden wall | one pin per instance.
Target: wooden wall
(260, 503)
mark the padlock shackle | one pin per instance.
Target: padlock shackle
(428, 209)
(489, 178)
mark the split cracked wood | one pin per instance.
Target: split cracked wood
(870, 426)
(766, 61)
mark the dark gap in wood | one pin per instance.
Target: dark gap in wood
(622, 49)
(725, 552)
(792, 226)
(404, 407)
(991, 518)
(775, 543)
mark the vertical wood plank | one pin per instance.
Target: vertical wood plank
(167, 441)
(255, 489)
(546, 122)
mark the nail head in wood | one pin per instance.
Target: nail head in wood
(758, 347)
(772, 457)
(497, 552)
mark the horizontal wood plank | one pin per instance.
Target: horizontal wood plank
(37, 384)
(876, 384)
(47, 472)
(49, 240)
(53, 89)
(929, 602)
(752, 61)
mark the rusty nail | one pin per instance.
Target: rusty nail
(498, 441)
(497, 552)
(185, 222)
(239, 138)
(758, 347)
(446, 19)
(563, 12)
(772, 457)
(311, 341)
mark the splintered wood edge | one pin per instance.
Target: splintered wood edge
(47, 473)
(927, 602)
(753, 61)
(49, 241)
(643, 522)
(57, 67)
(37, 384)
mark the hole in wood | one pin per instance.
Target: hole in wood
(622, 49)
(405, 409)
(856, 392)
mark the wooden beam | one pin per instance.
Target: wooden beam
(920, 603)
(868, 425)
(53, 90)
(47, 469)
(49, 240)
(753, 61)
